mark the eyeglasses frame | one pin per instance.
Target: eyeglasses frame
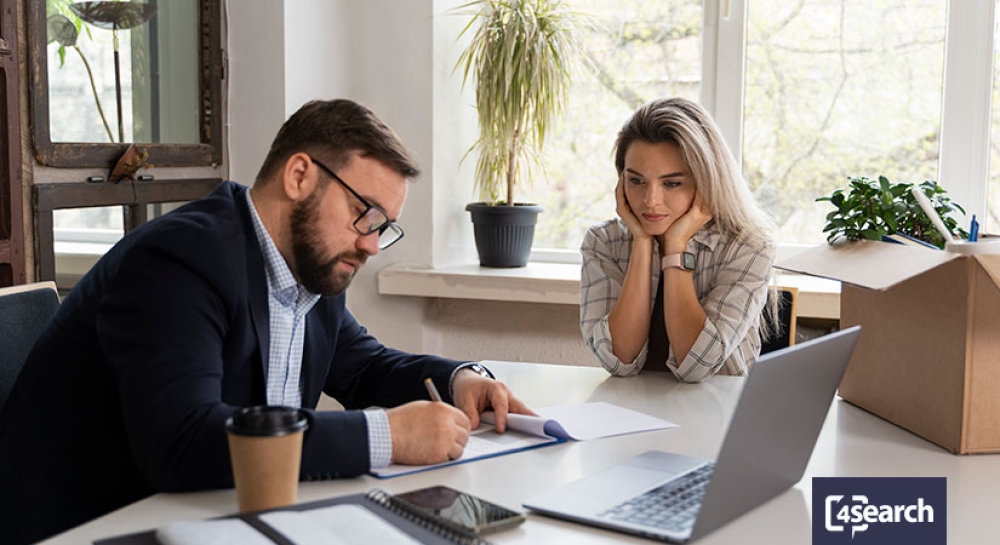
(376, 228)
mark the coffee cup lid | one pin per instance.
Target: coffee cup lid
(266, 421)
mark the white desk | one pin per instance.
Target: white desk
(853, 443)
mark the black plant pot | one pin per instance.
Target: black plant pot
(503, 233)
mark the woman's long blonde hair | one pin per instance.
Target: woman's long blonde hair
(716, 175)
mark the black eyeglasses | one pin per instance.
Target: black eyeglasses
(373, 219)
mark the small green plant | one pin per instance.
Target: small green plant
(869, 209)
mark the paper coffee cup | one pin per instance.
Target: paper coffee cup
(265, 448)
(987, 246)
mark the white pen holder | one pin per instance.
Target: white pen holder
(988, 246)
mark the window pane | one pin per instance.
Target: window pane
(638, 50)
(103, 217)
(158, 69)
(992, 223)
(838, 88)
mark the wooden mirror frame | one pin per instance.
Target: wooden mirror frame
(77, 155)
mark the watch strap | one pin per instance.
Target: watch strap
(683, 260)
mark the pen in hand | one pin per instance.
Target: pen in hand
(432, 390)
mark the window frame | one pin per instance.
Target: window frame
(963, 165)
(208, 152)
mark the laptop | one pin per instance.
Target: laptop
(676, 498)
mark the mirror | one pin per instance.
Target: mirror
(109, 73)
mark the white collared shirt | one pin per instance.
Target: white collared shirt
(288, 304)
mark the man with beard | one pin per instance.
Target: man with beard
(230, 301)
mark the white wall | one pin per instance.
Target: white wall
(256, 83)
(384, 54)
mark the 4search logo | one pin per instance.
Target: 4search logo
(862, 510)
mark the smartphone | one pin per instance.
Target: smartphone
(458, 509)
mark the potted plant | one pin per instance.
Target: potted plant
(872, 210)
(520, 55)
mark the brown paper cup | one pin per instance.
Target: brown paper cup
(265, 448)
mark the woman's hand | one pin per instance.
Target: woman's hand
(626, 214)
(680, 232)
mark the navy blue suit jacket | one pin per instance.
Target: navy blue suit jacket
(127, 391)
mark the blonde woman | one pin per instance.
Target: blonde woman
(680, 279)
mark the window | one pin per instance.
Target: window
(992, 223)
(168, 60)
(636, 50)
(818, 90)
(838, 88)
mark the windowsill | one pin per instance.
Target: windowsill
(74, 259)
(558, 283)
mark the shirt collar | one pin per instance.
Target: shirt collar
(281, 282)
(707, 236)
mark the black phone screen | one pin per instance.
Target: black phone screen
(465, 510)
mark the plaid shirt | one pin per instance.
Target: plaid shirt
(731, 281)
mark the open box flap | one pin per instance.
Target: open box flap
(868, 263)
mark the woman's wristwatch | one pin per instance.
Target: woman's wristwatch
(684, 260)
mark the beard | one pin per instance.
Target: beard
(317, 271)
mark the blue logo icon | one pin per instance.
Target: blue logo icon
(870, 510)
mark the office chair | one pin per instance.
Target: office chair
(24, 312)
(787, 316)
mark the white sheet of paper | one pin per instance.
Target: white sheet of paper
(336, 525)
(600, 419)
(583, 421)
(211, 532)
(484, 442)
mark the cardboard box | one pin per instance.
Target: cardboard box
(928, 358)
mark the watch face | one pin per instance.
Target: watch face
(687, 260)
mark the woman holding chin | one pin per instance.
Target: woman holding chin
(680, 279)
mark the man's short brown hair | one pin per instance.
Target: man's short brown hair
(330, 130)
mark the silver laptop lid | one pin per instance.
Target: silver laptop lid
(777, 421)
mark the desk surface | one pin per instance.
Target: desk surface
(853, 443)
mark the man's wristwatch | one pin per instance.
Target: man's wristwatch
(479, 370)
(684, 260)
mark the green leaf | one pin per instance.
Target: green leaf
(872, 234)
(868, 209)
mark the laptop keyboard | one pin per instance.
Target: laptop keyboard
(671, 507)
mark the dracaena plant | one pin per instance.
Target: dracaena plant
(521, 55)
(869, 209)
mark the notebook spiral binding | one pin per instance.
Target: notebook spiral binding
(443, 527)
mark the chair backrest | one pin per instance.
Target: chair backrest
(24, 312)
(787, 316)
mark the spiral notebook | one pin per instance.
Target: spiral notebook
(374, 517)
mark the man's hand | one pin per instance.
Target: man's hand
(475, 393)
(425, 432)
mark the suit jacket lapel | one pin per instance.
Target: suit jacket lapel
(256, 285)
(317, 351)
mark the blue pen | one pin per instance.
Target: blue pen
(973, 229)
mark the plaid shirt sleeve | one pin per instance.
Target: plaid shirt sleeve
(731, 279)
(606, 249)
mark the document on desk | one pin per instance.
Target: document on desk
(579, 422)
